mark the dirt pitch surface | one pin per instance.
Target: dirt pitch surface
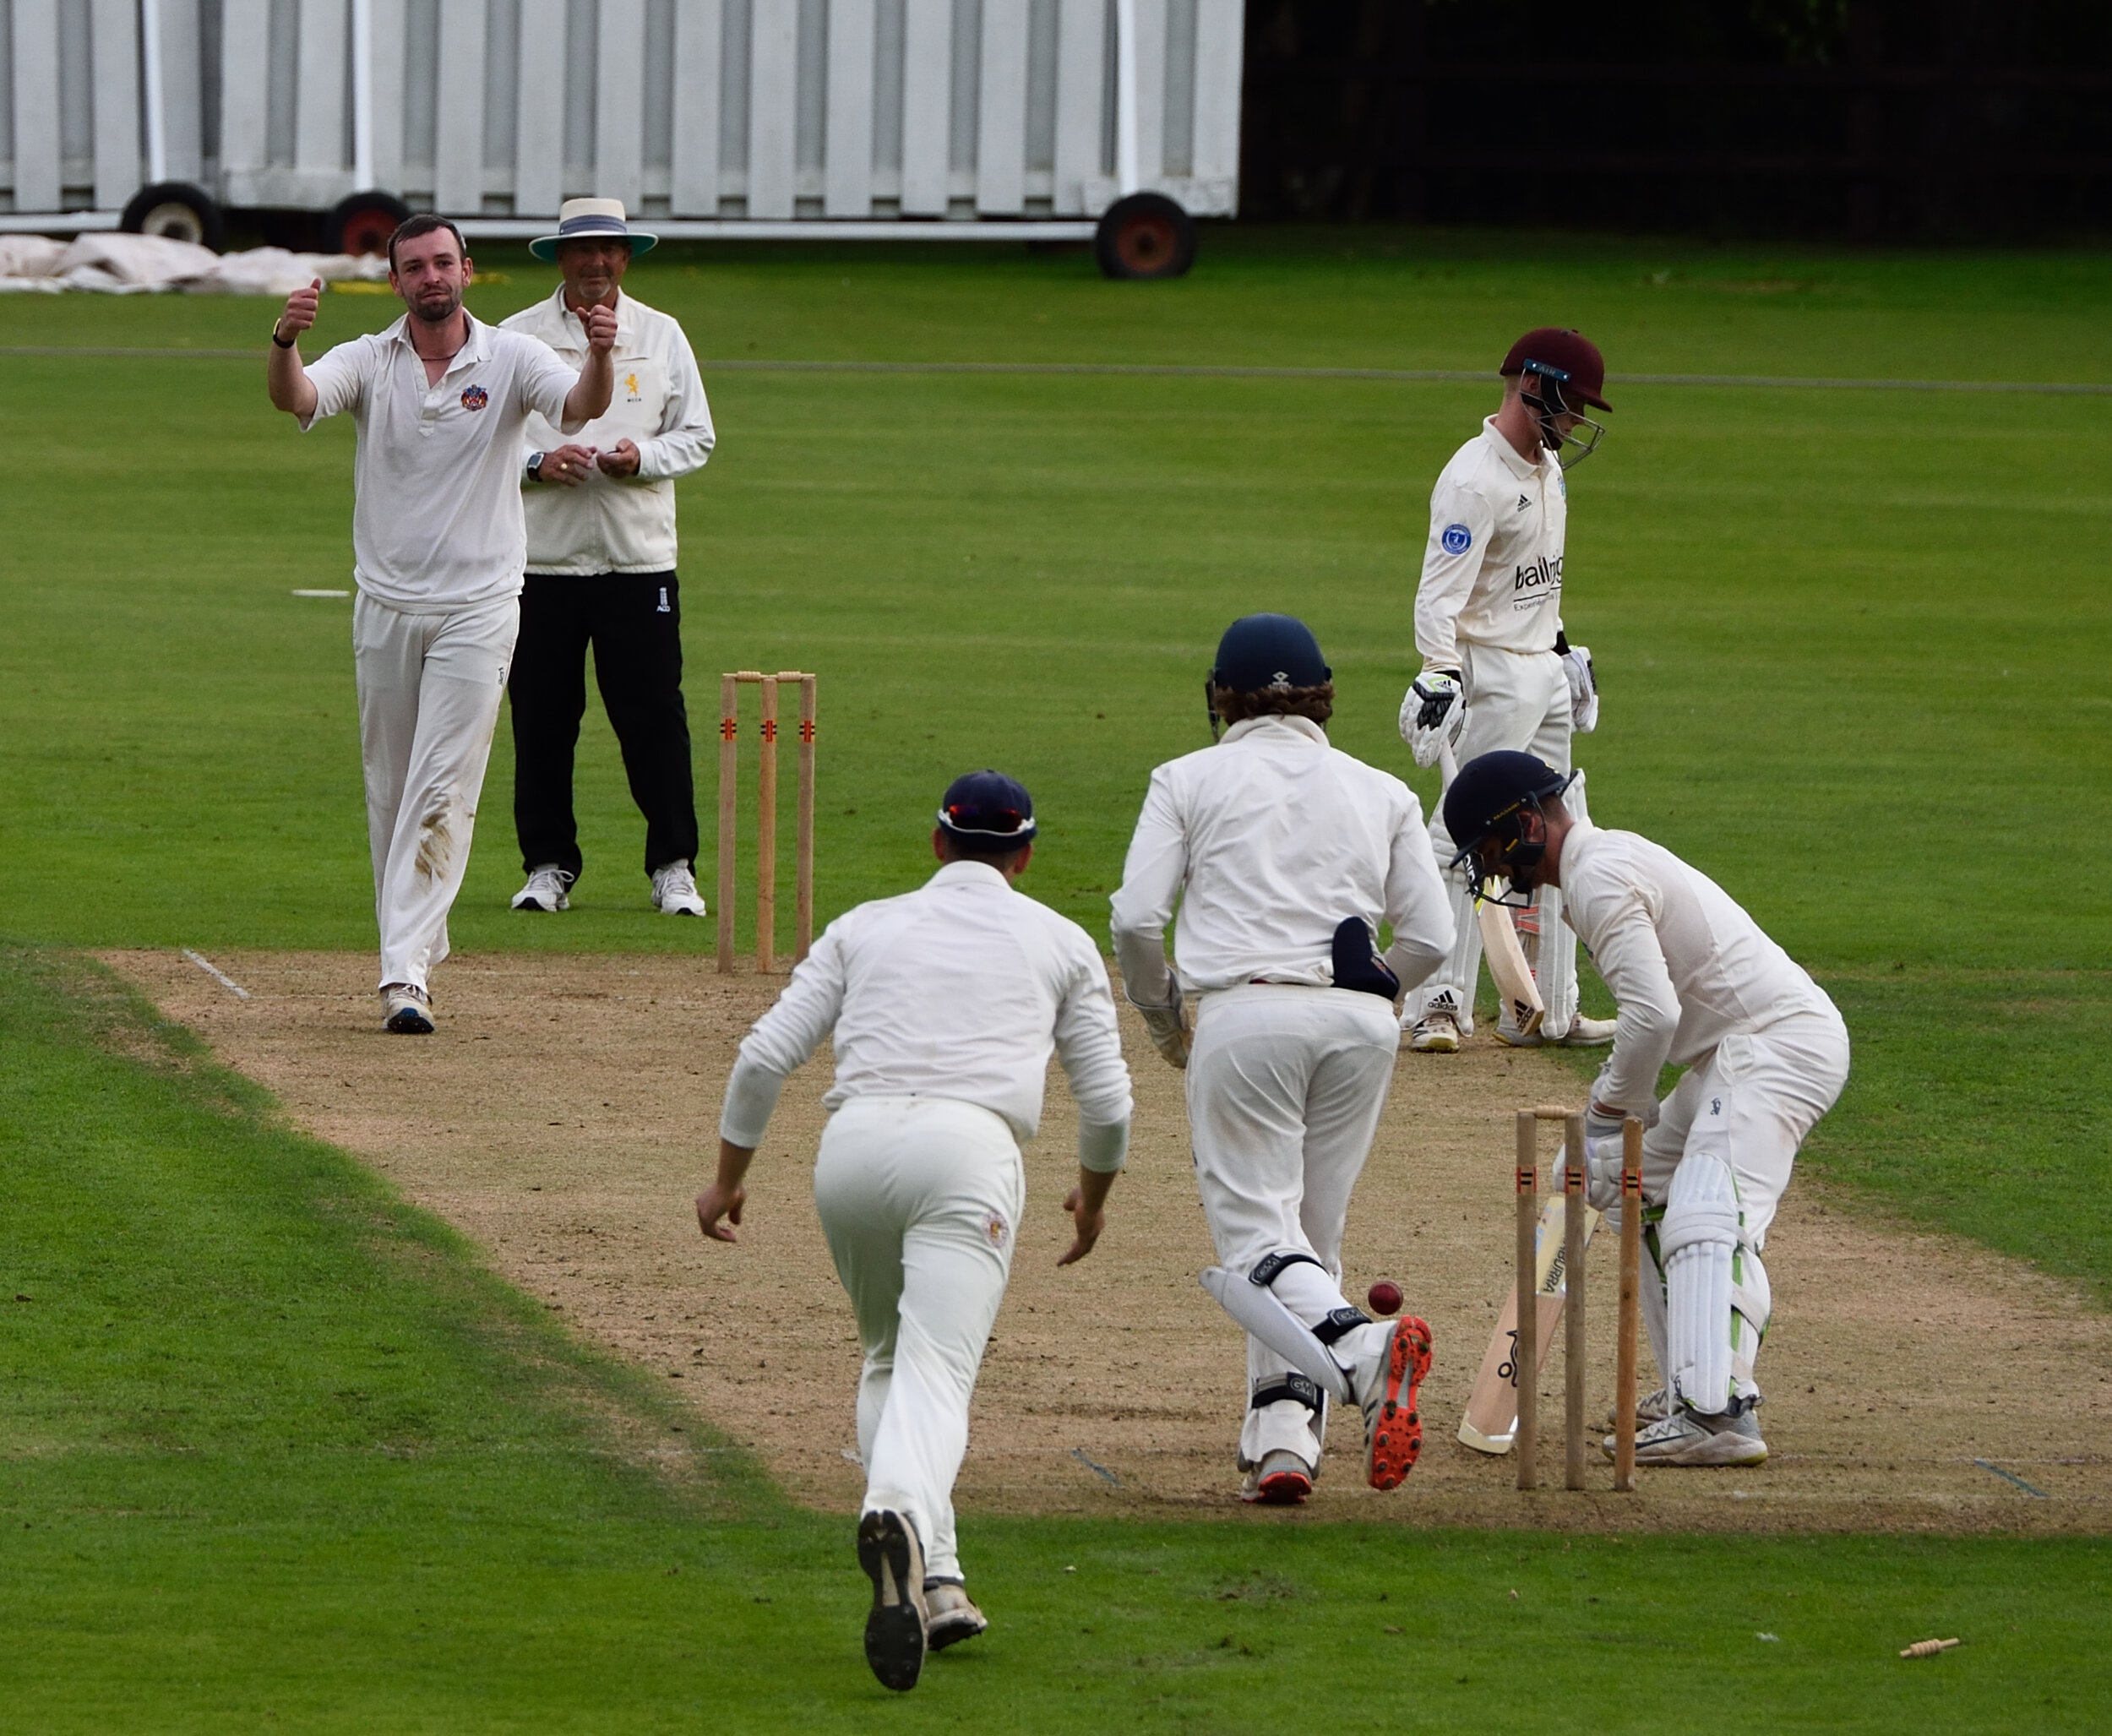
(566, 1112)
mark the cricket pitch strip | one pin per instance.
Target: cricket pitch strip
(567, 1111)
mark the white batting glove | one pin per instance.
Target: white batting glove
(1168, 1026)
(1605, 1151)
(1602, 1173)
(1583, 680)
(1433, 715)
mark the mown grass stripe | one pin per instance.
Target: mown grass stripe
(1175, 370)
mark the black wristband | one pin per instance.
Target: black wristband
(1561, 643)
(283, 343)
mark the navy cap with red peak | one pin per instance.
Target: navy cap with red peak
(1570, 351)
(987, 811)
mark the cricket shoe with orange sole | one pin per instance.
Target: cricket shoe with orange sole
(1386, 1381)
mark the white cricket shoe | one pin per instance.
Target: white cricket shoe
(1437, 1032)
(1654, 1408)
(1687, 1438)
(406, 1009)
(675, 891)
(953, 1616)
(1282, 1479)
(545, 890)
(1582, 1034)
(893, 1559)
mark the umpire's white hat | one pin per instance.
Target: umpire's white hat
(591, 220)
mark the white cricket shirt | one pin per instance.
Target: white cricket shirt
(1492, 571)
(617, 524)
(436, 483)
(1688, 967)
(959, 989)
(1268, 840)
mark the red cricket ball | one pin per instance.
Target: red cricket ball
(1384, 1297)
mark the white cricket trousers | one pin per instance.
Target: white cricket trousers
(1751, 1102)
(920, 1199)
(429, 691)
(1516, 701)
(1286, 1085)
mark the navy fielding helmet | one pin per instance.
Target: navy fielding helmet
(987, 813)
(1264, 651)
(1485, 802)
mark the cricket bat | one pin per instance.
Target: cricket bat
(1507, 966)
(1492, 1408)
(1500, 941)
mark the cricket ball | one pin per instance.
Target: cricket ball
(1384, 1297)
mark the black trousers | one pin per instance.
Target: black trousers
(633, 623)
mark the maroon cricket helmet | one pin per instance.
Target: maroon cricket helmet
(1572, 351)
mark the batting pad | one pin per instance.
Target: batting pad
(1256, 1308)
(1699, 1236)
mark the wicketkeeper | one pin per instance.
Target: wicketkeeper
(1700, 987)
(1284, 856)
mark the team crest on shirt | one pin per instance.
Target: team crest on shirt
(630, 385)
(995, 1228)
(475, 398)
(1457, 539)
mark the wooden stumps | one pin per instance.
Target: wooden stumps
(1573, 1367)
(1630, 1305)
(765, 815)
(1525, 1360)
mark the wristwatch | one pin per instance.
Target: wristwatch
(535, 466)
(283, 343)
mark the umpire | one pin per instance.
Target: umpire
(600, 513)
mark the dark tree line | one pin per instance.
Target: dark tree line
(1944, 120)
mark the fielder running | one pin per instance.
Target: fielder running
(943, 1004)
(440, 400)
(1498, 669)
(1698, 985)
(1285, 855)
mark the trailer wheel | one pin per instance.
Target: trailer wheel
(364, 222)
(176, 210)
(1145, 235)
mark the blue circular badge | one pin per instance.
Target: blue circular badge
(1457, 539)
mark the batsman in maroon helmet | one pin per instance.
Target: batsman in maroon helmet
(1498, 673)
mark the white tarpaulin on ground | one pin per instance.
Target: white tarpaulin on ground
(116, 264)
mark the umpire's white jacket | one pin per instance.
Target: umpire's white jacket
(609, 525)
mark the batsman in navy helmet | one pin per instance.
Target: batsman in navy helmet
(1700, 987)
(1284, 856)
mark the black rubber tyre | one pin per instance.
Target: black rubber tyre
(177, 209)
(364, 222)
(1145, 235)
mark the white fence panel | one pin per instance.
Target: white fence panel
(767, 110)
(36, 105)
(114, 39)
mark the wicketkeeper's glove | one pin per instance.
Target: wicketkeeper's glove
(1168, 1026)
(1433, 712)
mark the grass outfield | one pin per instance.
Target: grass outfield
(273, 1446)
(279, 1455)
(1852, 641)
